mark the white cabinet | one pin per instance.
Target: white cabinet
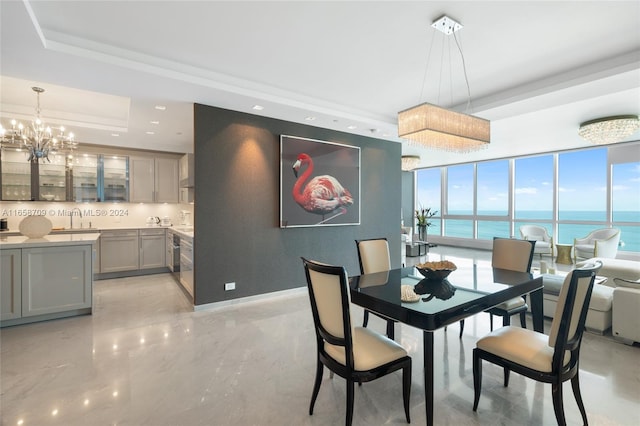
(152, 248)
(154, 180)
(119, 250)
(11, 284)
(56, 279)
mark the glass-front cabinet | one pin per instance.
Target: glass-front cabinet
(78, 177)
(84, 172)
(115, 178)
(52, 179)
(16, 175)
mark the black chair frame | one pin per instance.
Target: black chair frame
(348, 371)
(390, 323)
(559, 372)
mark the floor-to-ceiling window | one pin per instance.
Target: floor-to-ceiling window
(428, 195)
(459, 201)
(582, 192)
(570, 193)
(492, 199)
(533, 192)
(625, 194)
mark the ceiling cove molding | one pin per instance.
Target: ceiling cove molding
(65, 43)
(623, 69)
(34, 21)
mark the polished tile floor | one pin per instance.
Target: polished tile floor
(145, 358)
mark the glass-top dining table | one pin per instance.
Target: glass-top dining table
(473, 288)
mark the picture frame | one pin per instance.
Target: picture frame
(319, 183)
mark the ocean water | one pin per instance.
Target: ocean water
(487, 229)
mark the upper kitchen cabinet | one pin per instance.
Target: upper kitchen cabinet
(186, 171)
(187, 180)
(84, 171)
(154, 180)
(97, 177)
(23, 180)
(115, 178)
(16, 175)
(53, 179)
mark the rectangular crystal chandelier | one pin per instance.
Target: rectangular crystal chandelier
(431, 126)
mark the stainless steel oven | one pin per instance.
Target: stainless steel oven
(173, 250)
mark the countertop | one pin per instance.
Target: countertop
(185, 231)
(51, 240)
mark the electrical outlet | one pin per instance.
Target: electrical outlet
(229, 286)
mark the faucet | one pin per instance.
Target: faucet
(71, 214)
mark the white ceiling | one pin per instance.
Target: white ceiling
(536, 69)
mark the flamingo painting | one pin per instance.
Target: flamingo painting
(322, 195)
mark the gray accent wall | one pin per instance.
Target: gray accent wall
(237, 202)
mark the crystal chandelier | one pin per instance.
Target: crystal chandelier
(431, 126)
(609, 129)
(410, 162)
(38, 138)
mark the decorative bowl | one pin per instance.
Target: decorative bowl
(436, 270)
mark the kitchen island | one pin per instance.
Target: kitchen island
(45, 278)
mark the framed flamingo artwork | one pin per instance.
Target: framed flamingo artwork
(319, 183)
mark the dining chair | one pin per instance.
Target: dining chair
(355, 353)
(550, 359)
(513, 255)
(373, 256)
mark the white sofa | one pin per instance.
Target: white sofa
(611, 306)
(599, 315)
(626, 297)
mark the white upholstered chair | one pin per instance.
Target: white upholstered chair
(354, 353)
(539, 234)
(513, 255)
(599, 243)
(373, 256)
(550, 359)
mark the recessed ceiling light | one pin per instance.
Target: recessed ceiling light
(258, 107)
(154, 122)
(161, 107)
(150, 133)
(310, 118)
(115, 135)
(352, 127)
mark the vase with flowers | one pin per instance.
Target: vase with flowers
(422, 217)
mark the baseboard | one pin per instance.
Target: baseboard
(245, 301)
